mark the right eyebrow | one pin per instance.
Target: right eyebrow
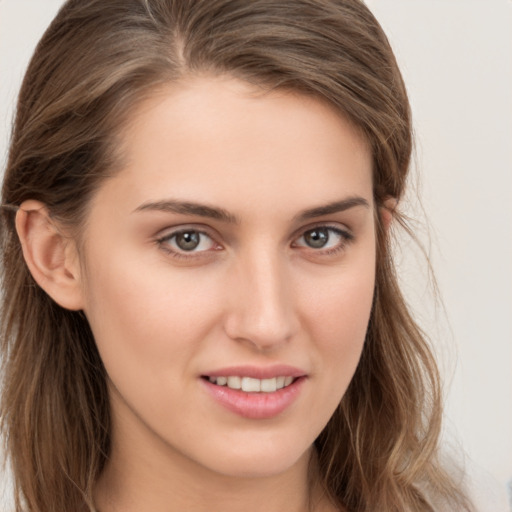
(190, 208)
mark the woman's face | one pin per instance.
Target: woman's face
(236, 244)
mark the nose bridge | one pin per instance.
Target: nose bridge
(262, 310)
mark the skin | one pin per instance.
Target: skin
(253, 292)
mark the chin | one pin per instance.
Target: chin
(259, 460)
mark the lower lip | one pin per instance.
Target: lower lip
(255, 405)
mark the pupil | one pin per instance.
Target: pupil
(187, 241)
(317, 238)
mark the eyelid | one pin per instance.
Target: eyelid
(170, 231)
(339, 228)
(346, 236)
(163, 237)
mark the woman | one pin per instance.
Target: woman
(200, 308)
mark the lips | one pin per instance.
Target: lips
(264, 372)
(255, 393)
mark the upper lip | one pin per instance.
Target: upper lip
(257, 372)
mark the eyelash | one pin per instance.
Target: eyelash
(163, 242)
(346, 238)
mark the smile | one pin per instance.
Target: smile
(254, 398)
(252, 385)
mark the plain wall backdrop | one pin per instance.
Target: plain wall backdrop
(456, 57)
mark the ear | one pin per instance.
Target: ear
(387, 212)
(50, 256)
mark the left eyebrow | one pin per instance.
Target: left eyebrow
(334, 207)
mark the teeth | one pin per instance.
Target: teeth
(268, 385)
(250, 385)
(234, 382)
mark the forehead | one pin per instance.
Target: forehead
(221, 140)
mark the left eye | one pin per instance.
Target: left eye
(323, 237)
(188, 241)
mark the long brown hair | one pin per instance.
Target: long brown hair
(96, 61)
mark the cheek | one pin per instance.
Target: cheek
(144, 319)
(339, 305)
(337, 315)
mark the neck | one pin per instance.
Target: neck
(144, 478)
(146, 485)
(146, 472)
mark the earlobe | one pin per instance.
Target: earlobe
(50, 256)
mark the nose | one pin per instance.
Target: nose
(261, 309)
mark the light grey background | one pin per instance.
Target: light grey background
(456, 56)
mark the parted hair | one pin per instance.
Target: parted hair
(95, 63)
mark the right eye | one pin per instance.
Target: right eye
(185, 241)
